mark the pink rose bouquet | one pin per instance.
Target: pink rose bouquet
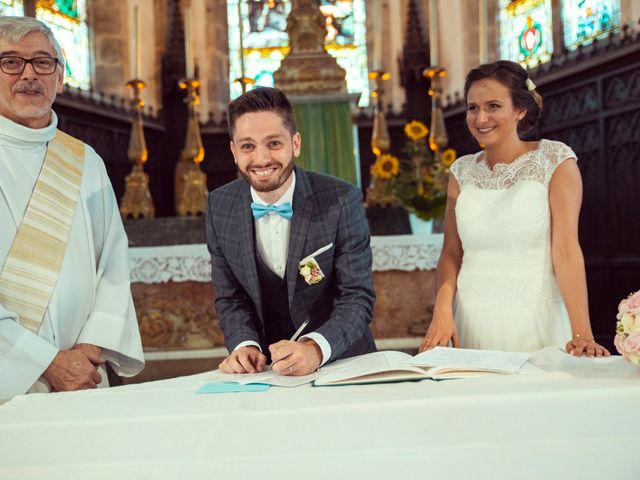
(627, 340)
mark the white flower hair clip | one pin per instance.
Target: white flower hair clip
(530, 85)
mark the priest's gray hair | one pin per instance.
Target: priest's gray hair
(14, 29)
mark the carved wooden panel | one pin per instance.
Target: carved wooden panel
(570, 104)
(622, 133)
(584, 140)
(620, 90)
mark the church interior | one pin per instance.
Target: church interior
(377, 89)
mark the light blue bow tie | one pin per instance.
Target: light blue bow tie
(260, 210)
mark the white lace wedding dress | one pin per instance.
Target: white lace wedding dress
(507, 296)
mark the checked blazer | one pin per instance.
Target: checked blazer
(325, 210)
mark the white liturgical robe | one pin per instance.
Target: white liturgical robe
(91, 302)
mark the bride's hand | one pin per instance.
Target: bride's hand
(441, 330)
(590, 348)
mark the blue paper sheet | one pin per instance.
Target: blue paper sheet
(229, 387)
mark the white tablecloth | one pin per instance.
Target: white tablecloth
(180, 263)
(580, 419)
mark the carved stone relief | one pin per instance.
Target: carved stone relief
(177, 315)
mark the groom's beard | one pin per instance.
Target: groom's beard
(275, 183)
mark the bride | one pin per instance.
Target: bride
(511, 273)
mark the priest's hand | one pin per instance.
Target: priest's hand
(75, 369)
(94, 354)
(296, 358)
(244, 360)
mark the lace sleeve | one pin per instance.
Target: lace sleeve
(458, 168)
(556, 153)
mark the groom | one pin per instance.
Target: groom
(286, 246)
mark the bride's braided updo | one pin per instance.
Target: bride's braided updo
(523, 91)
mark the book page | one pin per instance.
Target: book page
(268, 377)
(471, 360)
(378, 360)
(371, 365)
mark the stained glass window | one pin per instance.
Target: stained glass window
(265, 41)
(67, 19)
(11, 8)
(526, 31)
(585, 20)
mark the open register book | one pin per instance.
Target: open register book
(389, 366)
(438, 364)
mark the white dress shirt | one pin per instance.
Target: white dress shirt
(272, 232)
(272, 244)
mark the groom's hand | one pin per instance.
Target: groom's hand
(244, 360)
(295, 358)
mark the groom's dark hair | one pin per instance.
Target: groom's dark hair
(261, 99)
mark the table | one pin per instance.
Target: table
(577, 418)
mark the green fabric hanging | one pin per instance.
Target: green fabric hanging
(326, 129)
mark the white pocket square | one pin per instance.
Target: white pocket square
(318, 252)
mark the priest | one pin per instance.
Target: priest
(65, 303)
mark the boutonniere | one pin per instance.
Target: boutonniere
(311, 271)
(309, 268)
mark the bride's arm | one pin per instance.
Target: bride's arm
(565, 198)
(442, 327)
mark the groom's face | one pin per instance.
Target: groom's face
(264, 150)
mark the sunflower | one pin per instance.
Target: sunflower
(448, 157)
(386, 166)
(416, 130)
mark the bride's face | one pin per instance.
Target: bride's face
(491, 117)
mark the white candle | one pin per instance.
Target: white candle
(433, 32)
(377, 35)
(187, 42)
(241, 28)
(137, 44)
(484, 21)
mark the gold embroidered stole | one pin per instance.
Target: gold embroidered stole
(31, 269)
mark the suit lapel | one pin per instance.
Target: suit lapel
(303, 206)
(246, 239)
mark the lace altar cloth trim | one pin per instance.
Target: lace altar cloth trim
(182, 263)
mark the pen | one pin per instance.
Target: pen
(295, 336)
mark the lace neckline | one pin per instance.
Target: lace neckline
(482, 161)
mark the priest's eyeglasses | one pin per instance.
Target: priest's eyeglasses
(16, 65)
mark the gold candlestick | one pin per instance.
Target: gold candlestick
(380, 142)
(438, 138)
(244, 81)
(137, 199)
(190, 180)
